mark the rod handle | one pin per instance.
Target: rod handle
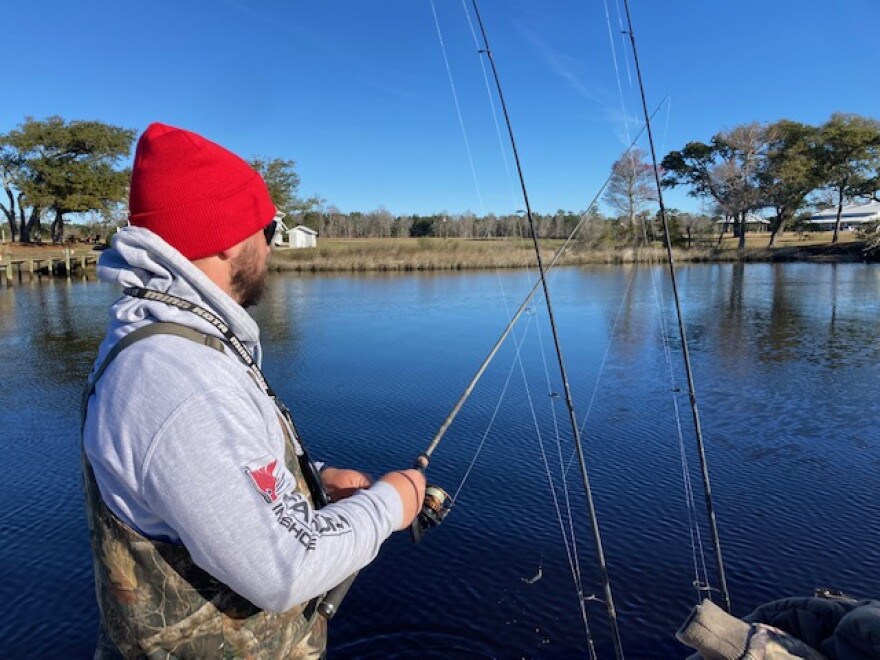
(421, 463)
(329, 605)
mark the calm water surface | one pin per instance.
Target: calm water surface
(786, 366)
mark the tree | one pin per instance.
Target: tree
(849, 154)
(742, 151)
(283, 183)
(631, 188)
(67, 168)
(871, 235)
(692, 225)
(281, 180)
(726, 171)
(790, 171)
(595, 230)
(421, 226)
(10, 164)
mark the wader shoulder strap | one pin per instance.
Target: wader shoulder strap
(313, 480)
(160, 328)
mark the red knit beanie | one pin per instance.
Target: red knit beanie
(199, 197)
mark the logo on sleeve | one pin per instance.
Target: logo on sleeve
(269, 480)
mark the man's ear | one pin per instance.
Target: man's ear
(232, 252)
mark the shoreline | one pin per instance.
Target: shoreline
(407, 255)
(438, 254)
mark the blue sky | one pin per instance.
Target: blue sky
(358, 92)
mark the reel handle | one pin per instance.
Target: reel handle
(416, 529)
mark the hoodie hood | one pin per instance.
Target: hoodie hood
(138, 257)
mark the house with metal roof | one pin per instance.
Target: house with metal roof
(853, 216)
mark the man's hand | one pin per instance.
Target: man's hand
(341, 483)
(410, 487)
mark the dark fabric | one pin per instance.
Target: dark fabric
(839, 629)
(858, 633)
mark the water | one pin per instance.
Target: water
(785, 362)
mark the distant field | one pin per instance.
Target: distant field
(404, 254)
(410, 254)
(789, 239)
(459, 254)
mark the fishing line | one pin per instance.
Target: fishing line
(552, 397)
(698, 552)
(707, 487)
(557, 257)
(602, 364)
(518, 346)
(517, 357)
(597, 537)
(491, 103)
(564, 467)
(479, 194)
(623, 40)
(457, 106)
(564, 470)
(625, 114)
(534, 233)
(666, 126)
(570, 545)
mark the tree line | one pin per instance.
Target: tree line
(52, 169)
(785, 166)
(56, 169)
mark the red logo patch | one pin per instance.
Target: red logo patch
(264, 479)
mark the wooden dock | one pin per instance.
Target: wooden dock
(65, 263)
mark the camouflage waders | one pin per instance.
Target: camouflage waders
(156, 603)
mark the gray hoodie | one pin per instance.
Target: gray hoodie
(175, 432)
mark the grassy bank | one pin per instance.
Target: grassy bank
(411, 254)
(422, 254)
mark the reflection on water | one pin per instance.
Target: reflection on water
(784, 359)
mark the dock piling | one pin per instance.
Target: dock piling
(56, 265)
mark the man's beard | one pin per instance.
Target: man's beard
(248, 278)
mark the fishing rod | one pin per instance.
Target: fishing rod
(522, 308)
(432, 513)
(692, 393)
(438, 503)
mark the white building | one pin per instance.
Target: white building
(298, 237)
(302, 237)
(852, 217)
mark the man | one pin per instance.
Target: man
(201, 500)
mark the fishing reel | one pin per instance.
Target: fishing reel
(435, 507)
